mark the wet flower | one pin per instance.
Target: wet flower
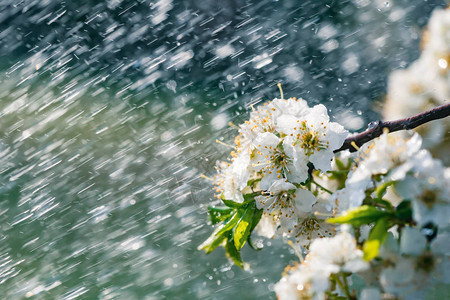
(302, 282)
(427, 186)
(264, 118)
(232, 178)
(313, 136)
(267, 226)
(312, 226)
(437, 38)
(275, 159)
(347, 198)
(413, 268)
(311, 279)
(425, 84)
(338, 254)
(285, 201)
(388, 156)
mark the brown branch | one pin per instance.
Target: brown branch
(375, 129)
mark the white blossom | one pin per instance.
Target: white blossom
(312, 226)
(302, 282)
(427, 186)
(275, 159)
(390, 156)
(437, 39)
(232, 178)
(284, 200)
(425, 84)
(338, 254)
(264, 118)
(370, 293)
(413, 242)
(267, 226)
(411, 267)
(313, 136)
(311, 279)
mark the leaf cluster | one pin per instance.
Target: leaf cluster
(235, 223)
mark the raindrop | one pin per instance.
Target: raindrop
(372, 124)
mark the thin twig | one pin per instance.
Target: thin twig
(375, 129)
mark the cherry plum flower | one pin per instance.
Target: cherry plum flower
(276, 159)
(232, 178)
(285, 201)
(427, 186)
(327, 256)
(313, 136)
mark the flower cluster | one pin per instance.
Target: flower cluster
(406, 268)
(273, 153)
(389, 201)
(383, 161)
(412, 266)
(425, 83)
(396, 197)
(328, 258)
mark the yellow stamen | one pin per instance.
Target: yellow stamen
(206, 177)
(281, 90)
(300, 256)
(231, 124)
(355, 146)
(224, 144)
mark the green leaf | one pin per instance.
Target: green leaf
(242, 229)
(232, 204)
(381, 190)
(247, 199)
(339, 163)
(213, 241)
(376, 237)
(252, 181)
(360, 216)
(250, 197)
(232, 222)
(233, 254)
(404, 211)
(219, 214)
(256, 217)
(384, 202)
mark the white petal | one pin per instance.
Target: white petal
(413, 242)
(304, 200)
(263, 201)
(266, 139)
(267, 181)
(322, 160)
(370, 294)
(281, 185)
(286, 124)
(288, 218)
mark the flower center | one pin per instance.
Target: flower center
(284, 200)
(309, 140)
(425, 262)
(279, 159)
(428, 198)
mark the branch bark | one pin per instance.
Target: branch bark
(375, 129)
